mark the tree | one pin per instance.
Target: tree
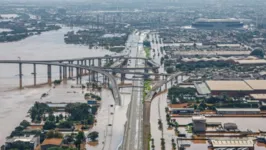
(170, 70)
(48, 125)
(79, 139)
(61, 117)
(57, 119)
(147, 43)
(93, 135)
(258, 52)
(38, 110)
(65, 124)
(162, 60)
(24, 123)
(78, 111)
(51, 117)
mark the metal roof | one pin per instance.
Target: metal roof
(232, 143)
(238, 109)
(56, 104)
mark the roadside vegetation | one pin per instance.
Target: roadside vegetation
(147, 88)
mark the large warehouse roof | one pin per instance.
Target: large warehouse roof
(258, 96)
(250, 62)
(228, 86)
(216, 20)
(238, 109)
(257, 84)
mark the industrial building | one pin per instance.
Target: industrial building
(238, 111)
(232, 144)
(199, 123)
(182, 110)
(31, 140)
(60, 107)
(260, 97)
(228, 87)
(217, 23)
(240, 87)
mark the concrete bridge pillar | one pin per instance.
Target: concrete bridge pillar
(123, 76)
(20, 76)
(97, 77)
(49, 74)
(65, 74)
(81, 70)
(69, 70)
(77, 75)
(85, 63)
(34, 75)
(93, 76)
(99, 62)
(72, 70)
(80, 75)
(60, 73)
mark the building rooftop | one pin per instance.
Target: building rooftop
(212, 53)
(202, 88)
(52, 141)
(228, 45)
(20, 138)
(198, 118)
(232, 143)
(258, 96)
(57, 104)
(228, 85)
(257, 84)
(250, 62)
(181, 109)
(238, 109)
(216, 20)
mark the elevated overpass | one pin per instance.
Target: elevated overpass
(79, 69)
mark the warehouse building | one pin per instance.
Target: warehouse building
(182, 110)
(240, 87)
(232, 144)
(238, 111)
(229, 87)
(217, 23)
(199, 123)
